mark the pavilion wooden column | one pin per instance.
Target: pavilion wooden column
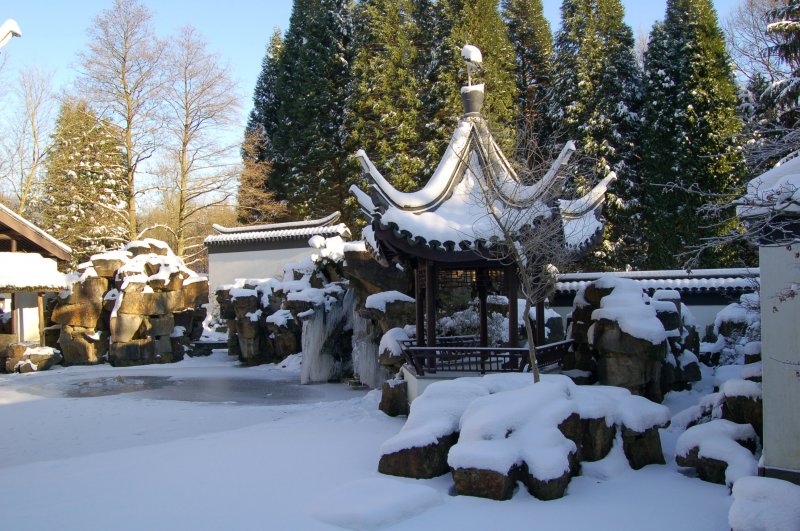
(16, 318)
(482, 279)
(431, 287)
(419, 295)
(540, 324)
(40, 306)
(512, 288)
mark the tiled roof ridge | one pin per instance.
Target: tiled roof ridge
(326, 221)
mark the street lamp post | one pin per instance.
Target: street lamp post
(9, 29)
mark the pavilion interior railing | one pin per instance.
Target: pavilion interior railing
(461, 354)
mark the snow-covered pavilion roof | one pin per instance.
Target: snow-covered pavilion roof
(451, 213)
(29, 272)
(29, 237)
(775, 192)
(274, 232)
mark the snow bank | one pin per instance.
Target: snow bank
(764, 504)
(717, 440)
(508, 428)
(378, 301)
(374, 503)
(390, 341)
(626, 306)
(739, 387)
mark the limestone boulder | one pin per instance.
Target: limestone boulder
(151, 303)
(125, 327)
(194, 293)
(42, 358)
(107, 265)
(394, 398)
(134, 352)
(744, 410)
(141, 247)
(14, 354)
(90, 289)
(642, 448)
(484, 483)
(160, 325)
(424, 462)
(548, 489)
(367, 276)
(84, 315)
(81, 346)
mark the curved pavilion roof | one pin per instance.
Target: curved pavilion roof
(474, 191)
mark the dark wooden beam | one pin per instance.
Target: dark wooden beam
(419, 296)
(482, 279)
(431, 286)
(512, 289)
(540, 324)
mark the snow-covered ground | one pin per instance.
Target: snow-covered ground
(205, 444)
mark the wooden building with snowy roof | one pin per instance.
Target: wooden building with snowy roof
(456, 228)
(259, 251)
(29, 260)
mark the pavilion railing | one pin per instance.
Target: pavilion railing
(450, 355)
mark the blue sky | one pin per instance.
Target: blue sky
(54, 31)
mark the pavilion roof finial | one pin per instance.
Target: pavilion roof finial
(472, 95)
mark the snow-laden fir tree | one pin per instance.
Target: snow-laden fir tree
(689, 136)
(83, 199)
(256, 187)
(596, 98)
(530, 34)
(310, 170)
(383, 106)
(450, 24)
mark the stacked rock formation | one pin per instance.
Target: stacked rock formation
(134, 306)
(494, 431)
(310, 310)
(627, 339)
(260, 329)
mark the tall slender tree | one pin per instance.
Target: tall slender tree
(690, 133)
(83, 196)
(121, 73)
(311, 170)
(201, 99)
(384, 108)
(530, 34)
(596, 100)
(450, 24)
(257, 187)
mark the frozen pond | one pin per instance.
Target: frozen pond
(220, 386)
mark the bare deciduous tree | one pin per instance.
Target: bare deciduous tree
(535, 238)
(201, 100)
(751, 47)
(25, 147)
(122, 75)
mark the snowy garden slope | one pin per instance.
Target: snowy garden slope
(131, 462)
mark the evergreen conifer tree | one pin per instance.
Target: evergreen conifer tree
(530, 35)
(84, 198)
(786, 27)
(449, 25)
(257, 187)
(310, 170)
(690, 131)
(384, 107)
(596, 101)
